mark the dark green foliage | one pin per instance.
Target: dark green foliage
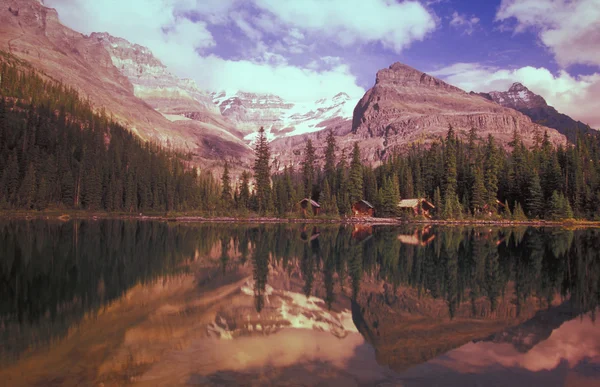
(355, 187)
(308, 168)
(262, 172)
(535, 198)
(56, 152)
(226, 186)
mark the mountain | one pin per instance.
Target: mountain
(33, 33)
(534, 106)
(407, 105)
(280, 118)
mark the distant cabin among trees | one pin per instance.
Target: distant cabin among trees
(310, 205)
(416, 207)
(362, 208)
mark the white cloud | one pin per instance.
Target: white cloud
(179, 42)
(570, 29)
(394, 25)
(468, 24)
(578, 97)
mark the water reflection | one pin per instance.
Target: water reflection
(206, 303)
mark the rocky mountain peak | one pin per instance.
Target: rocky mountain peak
(516, 87)
(403, 75)
(518, 97)
(407, 105)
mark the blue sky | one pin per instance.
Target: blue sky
(309, 49)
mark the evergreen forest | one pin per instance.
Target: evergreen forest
(56, 151)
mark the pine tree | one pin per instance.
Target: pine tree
(355, 189)
(308, 168)
(437, 201)
(262, 172)
(450, 182)
(27, 189)
(518, 213)
(226, 186)
(507, 213)
(535, 198)
(330, 161)
(556, 206)
(327, 200)
(491, 170)
(245, 190)
(478, 192)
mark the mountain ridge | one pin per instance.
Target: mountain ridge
(520, 98)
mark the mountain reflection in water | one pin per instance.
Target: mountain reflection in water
(123, 302)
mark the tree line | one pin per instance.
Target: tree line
(470, 177)
(57, 152)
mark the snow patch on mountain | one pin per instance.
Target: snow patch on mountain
(282, 118)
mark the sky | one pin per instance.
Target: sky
(309, 49)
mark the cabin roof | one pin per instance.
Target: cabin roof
(366, 203)
(312, 202)
(412, 203)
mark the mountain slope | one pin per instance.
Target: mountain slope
(534, 106)
(407, 105)
(33, 33)
(281, 118)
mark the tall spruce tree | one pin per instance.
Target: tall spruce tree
(355, 190)
(308, 168)
(262, 172)
(330, 160)
(226, 186)
(535, 198)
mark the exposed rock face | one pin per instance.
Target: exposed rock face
(32, 32)
(407, 105)
(534, 106)
(152, 82)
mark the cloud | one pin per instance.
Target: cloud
(394, 25)
(178, 32)
(468, 24)
(570, 29)
(578, 97)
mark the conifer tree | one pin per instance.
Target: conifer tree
(518, 213)
(491, 169)
(27, 189)
(355, 190)
(245, 190)
(327, 200)
(535, 198)
(330, 162)
(308, 168)
(226, 186)
(262, 172)
(478, 192)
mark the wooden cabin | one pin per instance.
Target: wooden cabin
(362, 208)
(310, 205)
(416, 206)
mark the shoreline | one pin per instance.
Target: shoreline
(66, 216)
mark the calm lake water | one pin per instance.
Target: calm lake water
(123, 302)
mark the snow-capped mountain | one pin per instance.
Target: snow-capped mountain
(280, 118)
(520, 98)
(517, 97)
(238, 112)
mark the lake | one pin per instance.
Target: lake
(112, 302)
